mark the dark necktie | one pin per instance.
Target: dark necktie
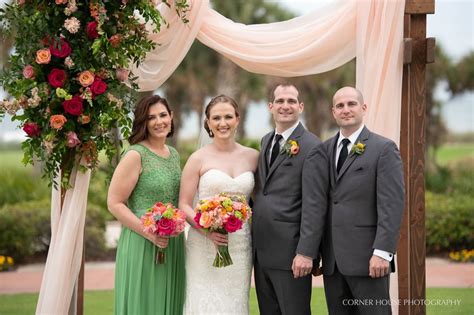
(275, 149)
(343, 154)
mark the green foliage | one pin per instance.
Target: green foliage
(21, 185)
(252, 143)
(25, 230)
(456, 178)
(439, 180)
(449, 208)
(449, 222)
(67, 117)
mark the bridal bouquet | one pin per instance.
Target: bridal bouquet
(164, 220)
(224, 214)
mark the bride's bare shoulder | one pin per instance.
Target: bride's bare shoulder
(199, 155)
(249, 151)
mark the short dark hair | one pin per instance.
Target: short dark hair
(271, 96)
(215, 100)
(139, 130)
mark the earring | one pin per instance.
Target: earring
(211, 134)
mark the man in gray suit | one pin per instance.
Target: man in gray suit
(365, 212)
(285, 235)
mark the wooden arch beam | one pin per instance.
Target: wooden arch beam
(418, 51)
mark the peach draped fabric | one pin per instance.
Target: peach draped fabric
(369, 30)
(65, 250)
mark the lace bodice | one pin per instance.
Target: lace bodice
(211, 290)
(158, 181)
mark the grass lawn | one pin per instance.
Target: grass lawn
(11, 159)
(101, 302)
(450, 153)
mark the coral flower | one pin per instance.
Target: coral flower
(43, 56)
(86, 78)
(57, 121)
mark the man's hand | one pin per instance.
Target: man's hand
(378, 267)
(302, 266)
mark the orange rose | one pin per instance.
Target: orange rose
(43, 56)
(206, 220)
(86, 78)
(57, 121)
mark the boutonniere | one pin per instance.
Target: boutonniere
(291, 148)
(358, 148)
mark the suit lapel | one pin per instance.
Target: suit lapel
(282, 156)
(264, 154)
(332, 157)
(364, 135)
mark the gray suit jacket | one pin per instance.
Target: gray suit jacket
(278, 231)
(366, 203)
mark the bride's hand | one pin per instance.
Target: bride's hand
(160, 241)
(218, 239)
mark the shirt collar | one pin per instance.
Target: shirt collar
(287, 133)
(352, 138)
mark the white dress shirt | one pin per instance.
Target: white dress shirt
(352, 138)
(285, 134)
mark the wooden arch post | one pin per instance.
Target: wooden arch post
(418, 51)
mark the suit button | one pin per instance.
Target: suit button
(335, 202)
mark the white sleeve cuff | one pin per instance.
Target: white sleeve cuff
(383, 254)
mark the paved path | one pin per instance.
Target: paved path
(100, 276)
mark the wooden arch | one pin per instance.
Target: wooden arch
(418, 51)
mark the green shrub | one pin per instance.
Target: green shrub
(20, 185)
(25, 230)
(253, 143)
(438, 181)
(449, 222)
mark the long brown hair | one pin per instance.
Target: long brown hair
(215, 100)
(139, 130)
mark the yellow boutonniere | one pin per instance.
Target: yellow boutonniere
(291, 148)
(358, 148)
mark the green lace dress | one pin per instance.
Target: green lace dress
(141, 286)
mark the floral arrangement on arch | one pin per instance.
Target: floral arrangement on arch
(68, 76)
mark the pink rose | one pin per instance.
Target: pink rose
(61, 49)
(122, 74)
(72, 139)
(166, 227)
(29, 72)
(197, 217)
(98, 86)
(233, 224)
(73, 106)
(91, 30)
(32, 129)
(57, 78)
(180, 226)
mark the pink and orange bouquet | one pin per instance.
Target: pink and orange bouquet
(224, 214)
(164, 220)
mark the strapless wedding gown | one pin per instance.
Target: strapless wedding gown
(211, 290)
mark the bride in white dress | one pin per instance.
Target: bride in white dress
(222, 166)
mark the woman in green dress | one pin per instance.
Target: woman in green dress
(148, 172)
